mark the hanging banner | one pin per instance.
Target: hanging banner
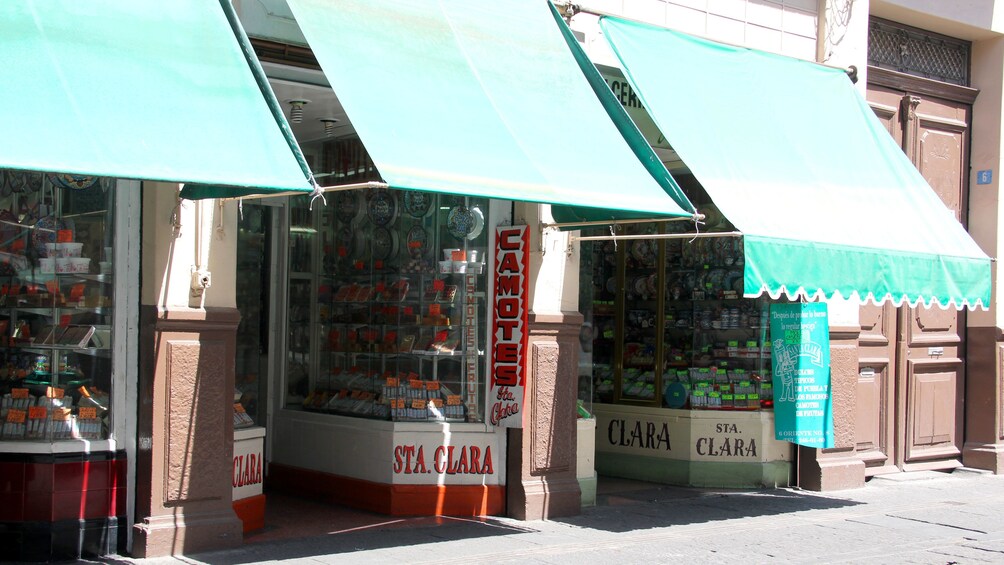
(510, 333)
(803, 405)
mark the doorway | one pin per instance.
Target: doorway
(911, 382)
(255, 296)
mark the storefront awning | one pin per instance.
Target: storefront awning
(481, 100)
(790, 152)
(141, 89)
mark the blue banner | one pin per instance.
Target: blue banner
(800, 359)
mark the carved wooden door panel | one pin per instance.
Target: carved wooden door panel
(910, 387)
(875, 423)
(932, 339)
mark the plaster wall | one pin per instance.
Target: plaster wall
(987, 128)
(780, 26)
(177, 237)
(964, 19)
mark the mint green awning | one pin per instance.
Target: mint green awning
(482, 99)
(792, 154)
(140, 89)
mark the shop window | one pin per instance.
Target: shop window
(56, 306)
(253, 295)
(667, 324)
(386, 311)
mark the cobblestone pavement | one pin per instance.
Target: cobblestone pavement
(923, 517)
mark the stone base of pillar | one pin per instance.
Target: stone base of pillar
(826, 470)
(184, 461)
(987, 456)
(186, 534)
(539, 497)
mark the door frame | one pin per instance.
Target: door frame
(898, 321)
(276, 255)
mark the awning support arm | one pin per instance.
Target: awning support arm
(690, 236)
(585, 224)
(568, 9)
(323, 189)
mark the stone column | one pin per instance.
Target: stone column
(184, 461)
(839, 467)
(541, 480)
(185, 456)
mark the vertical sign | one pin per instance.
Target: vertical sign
(803, 405)
(510, 319)
(471, 362)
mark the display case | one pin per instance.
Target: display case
(670, 327)
(56, 306)
(387, 305)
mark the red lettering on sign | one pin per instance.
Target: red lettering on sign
(509, 238)
(507, 327)
(247, 470)
(508, 308)
(507, 352)
(463, 460)
(509, 322)
(509, 264)
(506, 375)
(507, 285)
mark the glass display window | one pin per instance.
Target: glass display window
(386, 306)
(669, 325)
(56, 306)
(253, 293)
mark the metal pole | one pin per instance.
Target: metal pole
(592, 223)
(656, 236)
(325, 189)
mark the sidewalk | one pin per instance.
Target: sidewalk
(927, 517)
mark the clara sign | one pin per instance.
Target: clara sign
(510, 335)
(800, 343)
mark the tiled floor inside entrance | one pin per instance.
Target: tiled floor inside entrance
(291, 517)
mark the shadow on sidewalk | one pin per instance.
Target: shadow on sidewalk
(624, 505)
(301, 528)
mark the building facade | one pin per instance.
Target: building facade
(912, 387)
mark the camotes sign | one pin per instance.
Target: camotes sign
(510, 334)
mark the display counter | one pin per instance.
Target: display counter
(396, 468)
(248, 499)
(701, 448)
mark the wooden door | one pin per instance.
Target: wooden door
(875, 425)
(912, 378)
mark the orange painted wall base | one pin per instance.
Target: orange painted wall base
(251, 511)
(394, 500)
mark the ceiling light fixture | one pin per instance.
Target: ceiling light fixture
(329, 125)
(296, 109)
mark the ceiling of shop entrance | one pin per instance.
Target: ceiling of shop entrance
(290, 84)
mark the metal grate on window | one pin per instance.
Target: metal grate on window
(918, 52)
